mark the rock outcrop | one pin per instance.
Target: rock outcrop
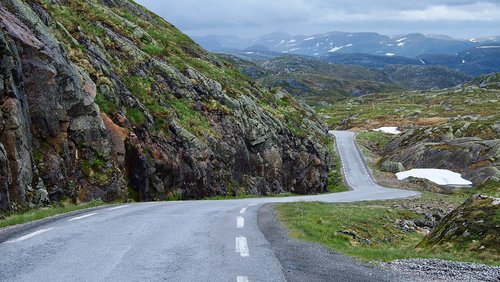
(103, 99)
(474, 226)
(476, 159)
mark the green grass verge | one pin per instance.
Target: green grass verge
(365, 231)
(32, 215)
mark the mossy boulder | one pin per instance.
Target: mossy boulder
(473, 226)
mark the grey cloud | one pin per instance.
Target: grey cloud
(300, 16)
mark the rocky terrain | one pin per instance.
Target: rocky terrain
(472, 227)
(103, 99)
(310, 77)
(455, 129)
(475, 225)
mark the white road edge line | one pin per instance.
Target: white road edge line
(31, 235)
(240, 222)
(241, 279)
(243, 210)
(117, 208)
(242, 246)
(82, 217)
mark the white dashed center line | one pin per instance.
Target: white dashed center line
(31, 235)
(241, 279)
(243, 210)
(117, 208)
(240, 222)
(82, 217)
(242, 246)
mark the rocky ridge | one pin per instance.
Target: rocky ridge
(103, 99)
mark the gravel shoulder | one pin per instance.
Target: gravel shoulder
(442, 270)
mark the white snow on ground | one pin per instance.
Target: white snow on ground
(401, 44)
(438, 176)
(348, 45)
(390, 54)
(401, 39)
(292, 41)
(423, 62)
(487, 47)
(249, 53)
(309, 38)
(335, 49)
(388, 129)
(463, 61)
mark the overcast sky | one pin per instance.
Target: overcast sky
(248, 18)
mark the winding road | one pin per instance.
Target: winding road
(180, 241)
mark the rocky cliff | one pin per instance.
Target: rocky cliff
(103, 99)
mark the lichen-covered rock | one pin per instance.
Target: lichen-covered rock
(393, 167)
(476, 159)
(473, 226)
(103, 99)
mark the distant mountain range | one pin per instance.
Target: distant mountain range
(472, 56)
(308, 76)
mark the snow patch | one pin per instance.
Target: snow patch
(294, 49)
(350, 35)
(463, 61)
(388, 129)
(401, 39)
(438, 176)
(281, 42)
(348, 45)
(335, 49)
(309, 38)
(390, 54)
(249, 53)
(401, 44)
(292, 41)
(423, 62)
(487, 47)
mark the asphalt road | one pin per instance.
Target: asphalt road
(180, 241)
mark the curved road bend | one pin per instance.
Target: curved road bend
(169, 241)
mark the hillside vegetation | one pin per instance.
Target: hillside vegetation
(101, 99)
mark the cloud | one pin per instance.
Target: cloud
(295, 16)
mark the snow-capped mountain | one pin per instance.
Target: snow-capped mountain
(410, 45)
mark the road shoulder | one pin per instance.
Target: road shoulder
(14, 230)
(304, 261)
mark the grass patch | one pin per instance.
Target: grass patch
(373, 139)
(366, 231)
(135, 116)
(190, 119)
(32, 215)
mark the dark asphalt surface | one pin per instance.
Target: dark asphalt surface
(183, 241)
